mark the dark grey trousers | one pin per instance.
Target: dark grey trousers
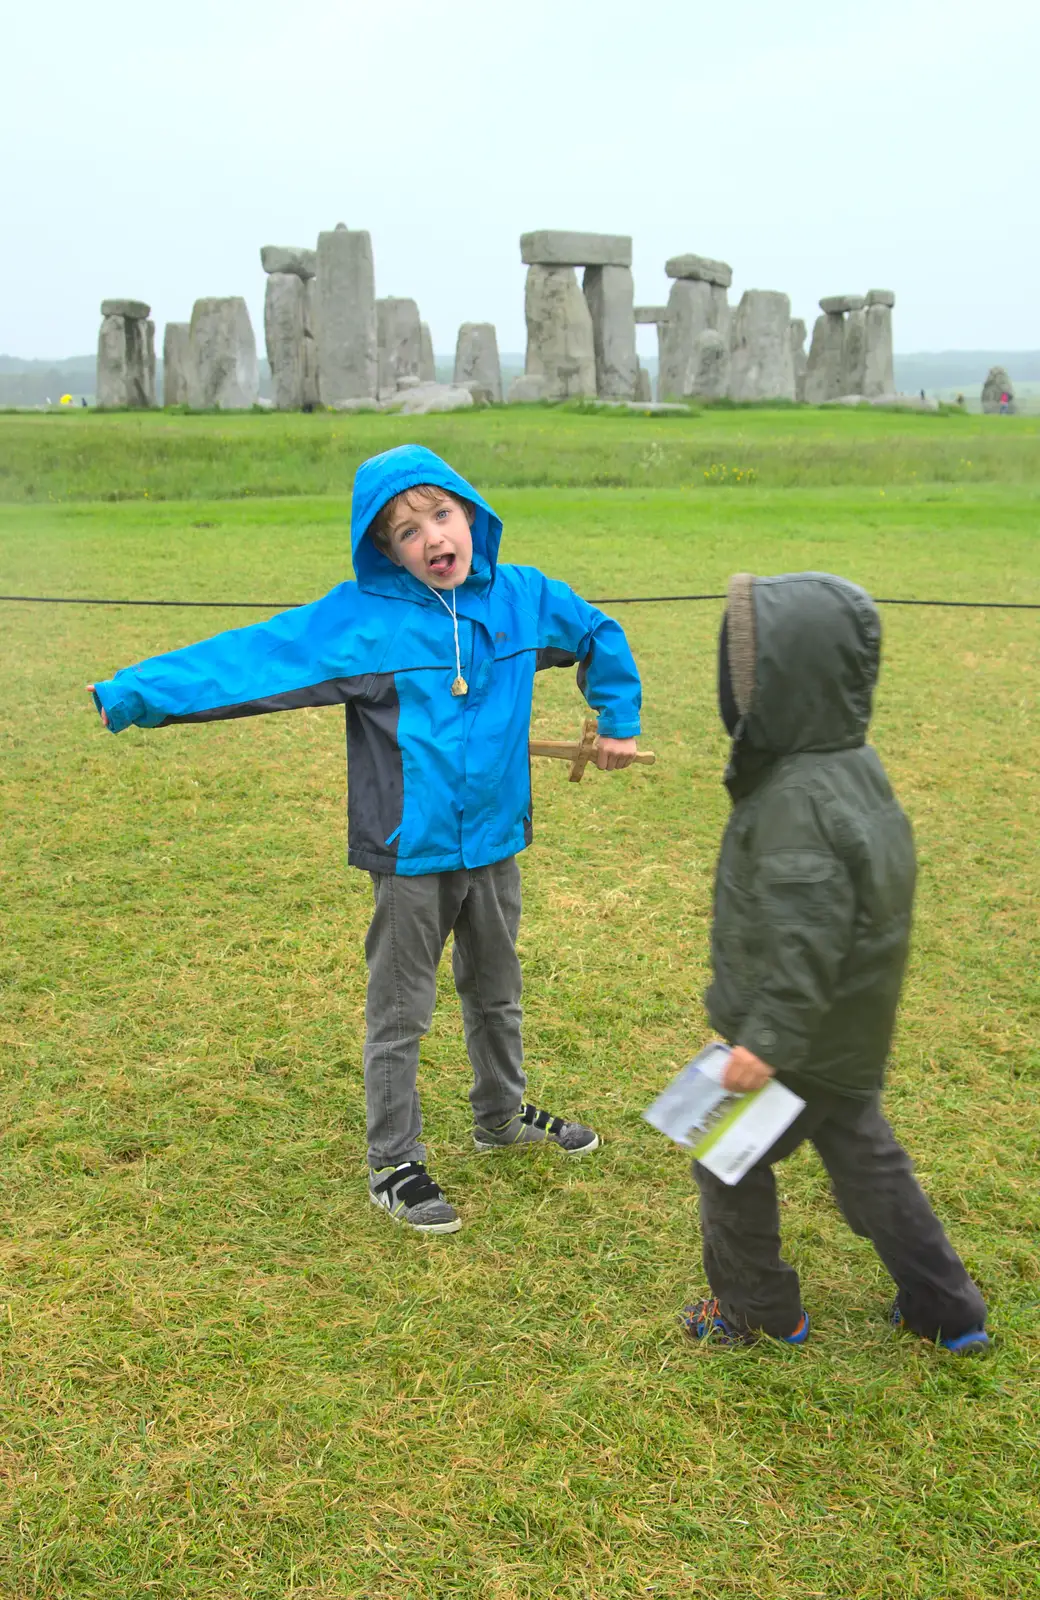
(409, 929)
(874, 1184)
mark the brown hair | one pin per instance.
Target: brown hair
(420, 494)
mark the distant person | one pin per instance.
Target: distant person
(923, 394)
(960, 401)
(813, 897)
(1005, 402)
(433, 650)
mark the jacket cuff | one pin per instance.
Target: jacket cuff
(617, 727)
(779, 1047)
(120, 707)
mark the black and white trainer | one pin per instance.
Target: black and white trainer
(410, 1195)
(531, 1126)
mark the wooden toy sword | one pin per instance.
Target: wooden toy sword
(580, 754)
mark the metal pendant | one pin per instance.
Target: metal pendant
(460, 686)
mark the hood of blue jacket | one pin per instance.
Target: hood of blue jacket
(376, 481)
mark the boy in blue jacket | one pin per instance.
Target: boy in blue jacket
(432, 649)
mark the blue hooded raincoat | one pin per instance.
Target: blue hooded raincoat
(436, 782)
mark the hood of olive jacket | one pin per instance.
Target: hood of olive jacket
(803, 656)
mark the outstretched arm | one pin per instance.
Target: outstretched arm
(572, 630)
(303, 657)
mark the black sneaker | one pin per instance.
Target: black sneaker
(531, 1126)
(410, 1195)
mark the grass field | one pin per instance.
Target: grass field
(223, 1374)
(159, 456)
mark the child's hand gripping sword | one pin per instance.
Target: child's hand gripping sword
(581, 753)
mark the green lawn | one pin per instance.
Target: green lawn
(160, 456)
(223, 1373)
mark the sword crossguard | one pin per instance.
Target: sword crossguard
(580, 754)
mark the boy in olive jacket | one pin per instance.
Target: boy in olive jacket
(813, 898)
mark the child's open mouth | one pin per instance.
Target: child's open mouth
(442, 566)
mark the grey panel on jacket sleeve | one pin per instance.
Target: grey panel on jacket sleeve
(375, 775)
(332, 692)
(551, 656)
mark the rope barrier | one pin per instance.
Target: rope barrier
(623, 600)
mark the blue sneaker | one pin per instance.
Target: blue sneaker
(706, 1321)
(974, 1342)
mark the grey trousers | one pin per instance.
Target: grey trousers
(874, 1184)
(410, 926)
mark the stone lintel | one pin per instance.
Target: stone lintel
(701, 269)
(836, 304)
(549, 247)
(136, 310)
(288, 258)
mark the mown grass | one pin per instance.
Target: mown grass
(161, 457)
(224, 1374)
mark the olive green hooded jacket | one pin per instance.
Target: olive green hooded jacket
(815, 880)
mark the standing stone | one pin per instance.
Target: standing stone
(560, 346)
(761, 365)
(476, 360)
(694, 306)
(823, 369)
(709, 376)
(126, 356)
(311, 371)
(147, 364)
(222, 369)
(285, 323)
(345, 316)
(878, 366)
(798, 357)
(998, 383)
(112, 364)
(854, 353)
(609, 293)
(644, 393)
(175, 359)
(427, 364)
(399, 342)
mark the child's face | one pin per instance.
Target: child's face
(431, 540)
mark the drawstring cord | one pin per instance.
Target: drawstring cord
(460, 686)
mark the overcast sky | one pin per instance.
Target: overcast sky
(151, 149)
